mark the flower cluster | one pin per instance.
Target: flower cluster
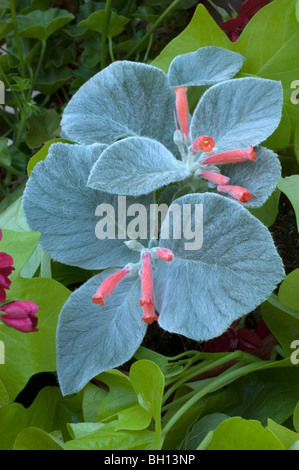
(19, 315)
(144, 269)
(127, 157)
(200, 156)
(6, 268)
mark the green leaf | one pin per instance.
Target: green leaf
(97, 22)
(5, 157)
(282, 321)
(239, 434)
(148, 382)
(107, 438)
(41, 24)
(49, 411)
(296, 141)
(285, 435)
(290, 187)
(288, 293)
(267, 213)
(202, 427)
(28, 353)
(93, 395)
(36, 439)
(13, 219)
(296, 417)
(42, 128)
(121, 394)
(53, 80)
(270, 55)
(202, 31)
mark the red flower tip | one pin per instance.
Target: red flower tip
(215, 178)
(20, 315)
(237, 192)
(108, 286)
(203, 142)
(231, 156)
(181, 104)
(147, 287)
(164, 254)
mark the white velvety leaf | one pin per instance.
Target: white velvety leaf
(205, 66)
(260, 178)
(202, 292)
(238, 113)
(125, 99)
(90, 338)
(135, 166)
(58, 204)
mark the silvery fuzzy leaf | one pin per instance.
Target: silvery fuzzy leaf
(203, 291)
(206, 66)
(136, 166)
(238, 113)
(57, 203)
(260, 178)
(90, 338)
(125, 99)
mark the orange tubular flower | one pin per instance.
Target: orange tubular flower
(236, 192)
(164, 254)
(204, 143)
(147, 287)
(215, 178)
(108, 286)
(182, 109)
(231, 156)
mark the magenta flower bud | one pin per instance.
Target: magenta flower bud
(20, 315)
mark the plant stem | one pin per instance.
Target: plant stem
(17, 37)
(104, 34)
(223, 379)
(39, 64)
(152, 29)
(111, 49)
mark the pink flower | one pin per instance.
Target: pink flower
(147, 288)
(203, 142)
(20, 315)
(6, 269)
(182, 109)
(237, 192)
(108, 286)
(231, 156)
(144, 269)
(164, 254)
(215, 178)
(234, 27)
